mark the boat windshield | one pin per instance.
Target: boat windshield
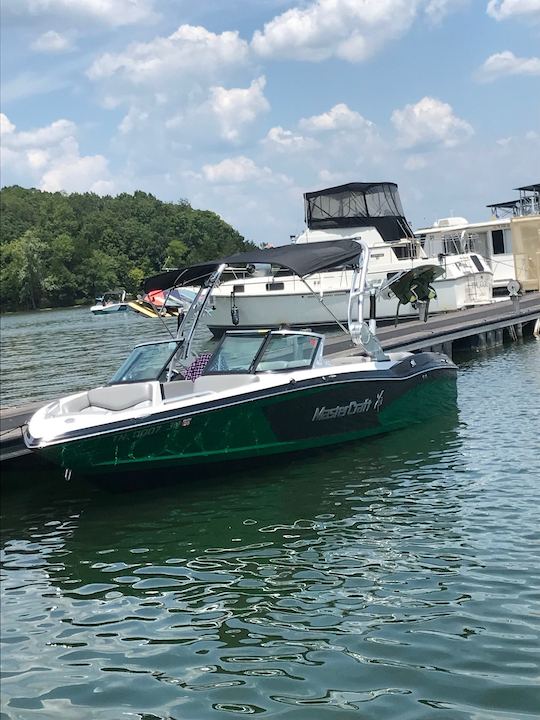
(258, 352)
(146, 362)
(288, 352)
(236, 354)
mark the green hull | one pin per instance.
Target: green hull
(284, 423)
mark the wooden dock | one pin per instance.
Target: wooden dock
(478, 328)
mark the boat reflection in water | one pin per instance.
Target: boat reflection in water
(96, 538)
(259, 393)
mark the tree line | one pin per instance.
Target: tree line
(61, 249)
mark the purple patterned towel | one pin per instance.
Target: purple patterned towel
(196, 368)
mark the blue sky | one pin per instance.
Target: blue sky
(240, 106)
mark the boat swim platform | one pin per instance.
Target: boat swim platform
(478, 329)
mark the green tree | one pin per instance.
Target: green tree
(99, 273)
(57, 248)
(22, 271)
(135, 278)
(177, 252)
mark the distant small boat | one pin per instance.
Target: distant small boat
(110, 302)
(174, 297)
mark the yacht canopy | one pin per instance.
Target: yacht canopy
(358, 205)
(302, 260)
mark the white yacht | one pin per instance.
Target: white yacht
(372, 211)
(497, 239)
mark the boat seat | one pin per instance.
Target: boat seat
(112, 398)
(217, 383)
(176, 389)
(121, 397)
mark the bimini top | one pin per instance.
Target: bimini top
(302, 260)
(358, 205)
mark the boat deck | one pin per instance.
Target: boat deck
(479, 328)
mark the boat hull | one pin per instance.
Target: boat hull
(108, 309)
(295, 306)
(312, 414)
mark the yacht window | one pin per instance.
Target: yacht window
(405, 251)
(235, 354)
(275, 286)
(145, 362)
(238, 288)
(497, 238)
(286, 352)
(477, 262)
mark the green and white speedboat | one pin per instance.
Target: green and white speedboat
(261, 392)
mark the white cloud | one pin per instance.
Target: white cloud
(506, 63)
(238, 107)
(52, 134)
(109, 12)
(37, 158)
(416, 162)
(437, 10)
(6, 126)
(190, 52)
(339, 143)
(340, 117)
(430, 122)
(135, 118)
(288, 141)
(349, 29)
(49, 157)
(238, 169)
(77, 174)
(505, 9)
(193, 87)
(52, 42)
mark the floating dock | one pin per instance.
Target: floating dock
(478, 328)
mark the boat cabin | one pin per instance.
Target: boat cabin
(358, 205)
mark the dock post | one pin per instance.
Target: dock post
(490, 338)
(519, 330)
(499, 338)
(479, 342)
(447, 348)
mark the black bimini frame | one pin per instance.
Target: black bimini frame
(528, 203)
(302, 260)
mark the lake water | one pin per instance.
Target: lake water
(397, 578)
